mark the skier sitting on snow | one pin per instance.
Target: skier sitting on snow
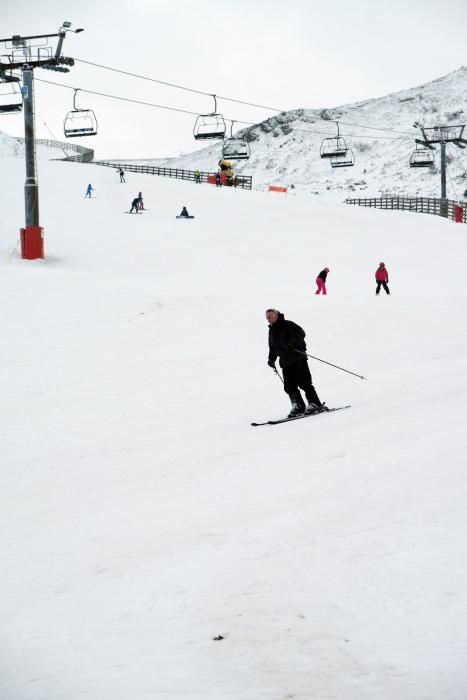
(285, 339)
(184, 212)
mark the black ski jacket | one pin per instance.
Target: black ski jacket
(323, 274)
(284, 338)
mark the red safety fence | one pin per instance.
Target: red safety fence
(278, 188)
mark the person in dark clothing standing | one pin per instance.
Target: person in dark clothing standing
(321, 281)
(382, 278)
(287, 342)
(122, 175)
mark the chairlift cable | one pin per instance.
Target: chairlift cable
(178, 87)
(123, 99)
(231, 99)
(186, 111)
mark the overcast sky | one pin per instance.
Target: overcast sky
(299, 53)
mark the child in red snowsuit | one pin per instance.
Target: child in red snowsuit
(321, 281)
(382, 278)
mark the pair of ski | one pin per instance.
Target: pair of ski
(302, 415)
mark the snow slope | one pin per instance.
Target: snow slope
(141, 513)
(285, 148)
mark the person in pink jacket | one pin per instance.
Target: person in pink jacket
(382, 278)
(321, 281)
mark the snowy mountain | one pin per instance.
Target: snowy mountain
(10, 146)
(285, 148)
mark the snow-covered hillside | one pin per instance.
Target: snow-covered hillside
(13, 147)
(142, 516)
(285, 148)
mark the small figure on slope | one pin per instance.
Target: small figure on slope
(197, 176)
(89, 190)
(321, 281)
(287, 341)
(382, 278)
(122, 175)
(140, 199)
(184, 212)
(134, 205)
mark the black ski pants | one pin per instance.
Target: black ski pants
(296, 377)
(380, 283)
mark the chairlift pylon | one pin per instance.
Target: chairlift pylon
(210, 126)
(79, 122)
(235, 148)
(11, 97)
(333, 146)
(422, 157)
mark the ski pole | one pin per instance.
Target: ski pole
(278, 374)
(330, 363)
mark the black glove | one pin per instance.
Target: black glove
(272, 363)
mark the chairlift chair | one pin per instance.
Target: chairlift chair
(209, 126)
(346, 160)
(80, 122)
(333, 146)
(11, 97)
(422, 158)
(235, 148)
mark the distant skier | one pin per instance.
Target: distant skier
(89, 190)
(140, 198)
(287, 341)
(197, 176)
(382, 278)
(184, 212)
(321, 281)
(134, 205)
(218, 179)
(122, 175)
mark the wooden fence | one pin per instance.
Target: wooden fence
(84, 155)
(425, 205)
(244, 182)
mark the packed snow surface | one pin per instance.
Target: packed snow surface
(142, 516)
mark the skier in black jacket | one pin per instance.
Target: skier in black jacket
(285, 339)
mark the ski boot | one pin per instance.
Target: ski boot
(298, 407)
(316, 408)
